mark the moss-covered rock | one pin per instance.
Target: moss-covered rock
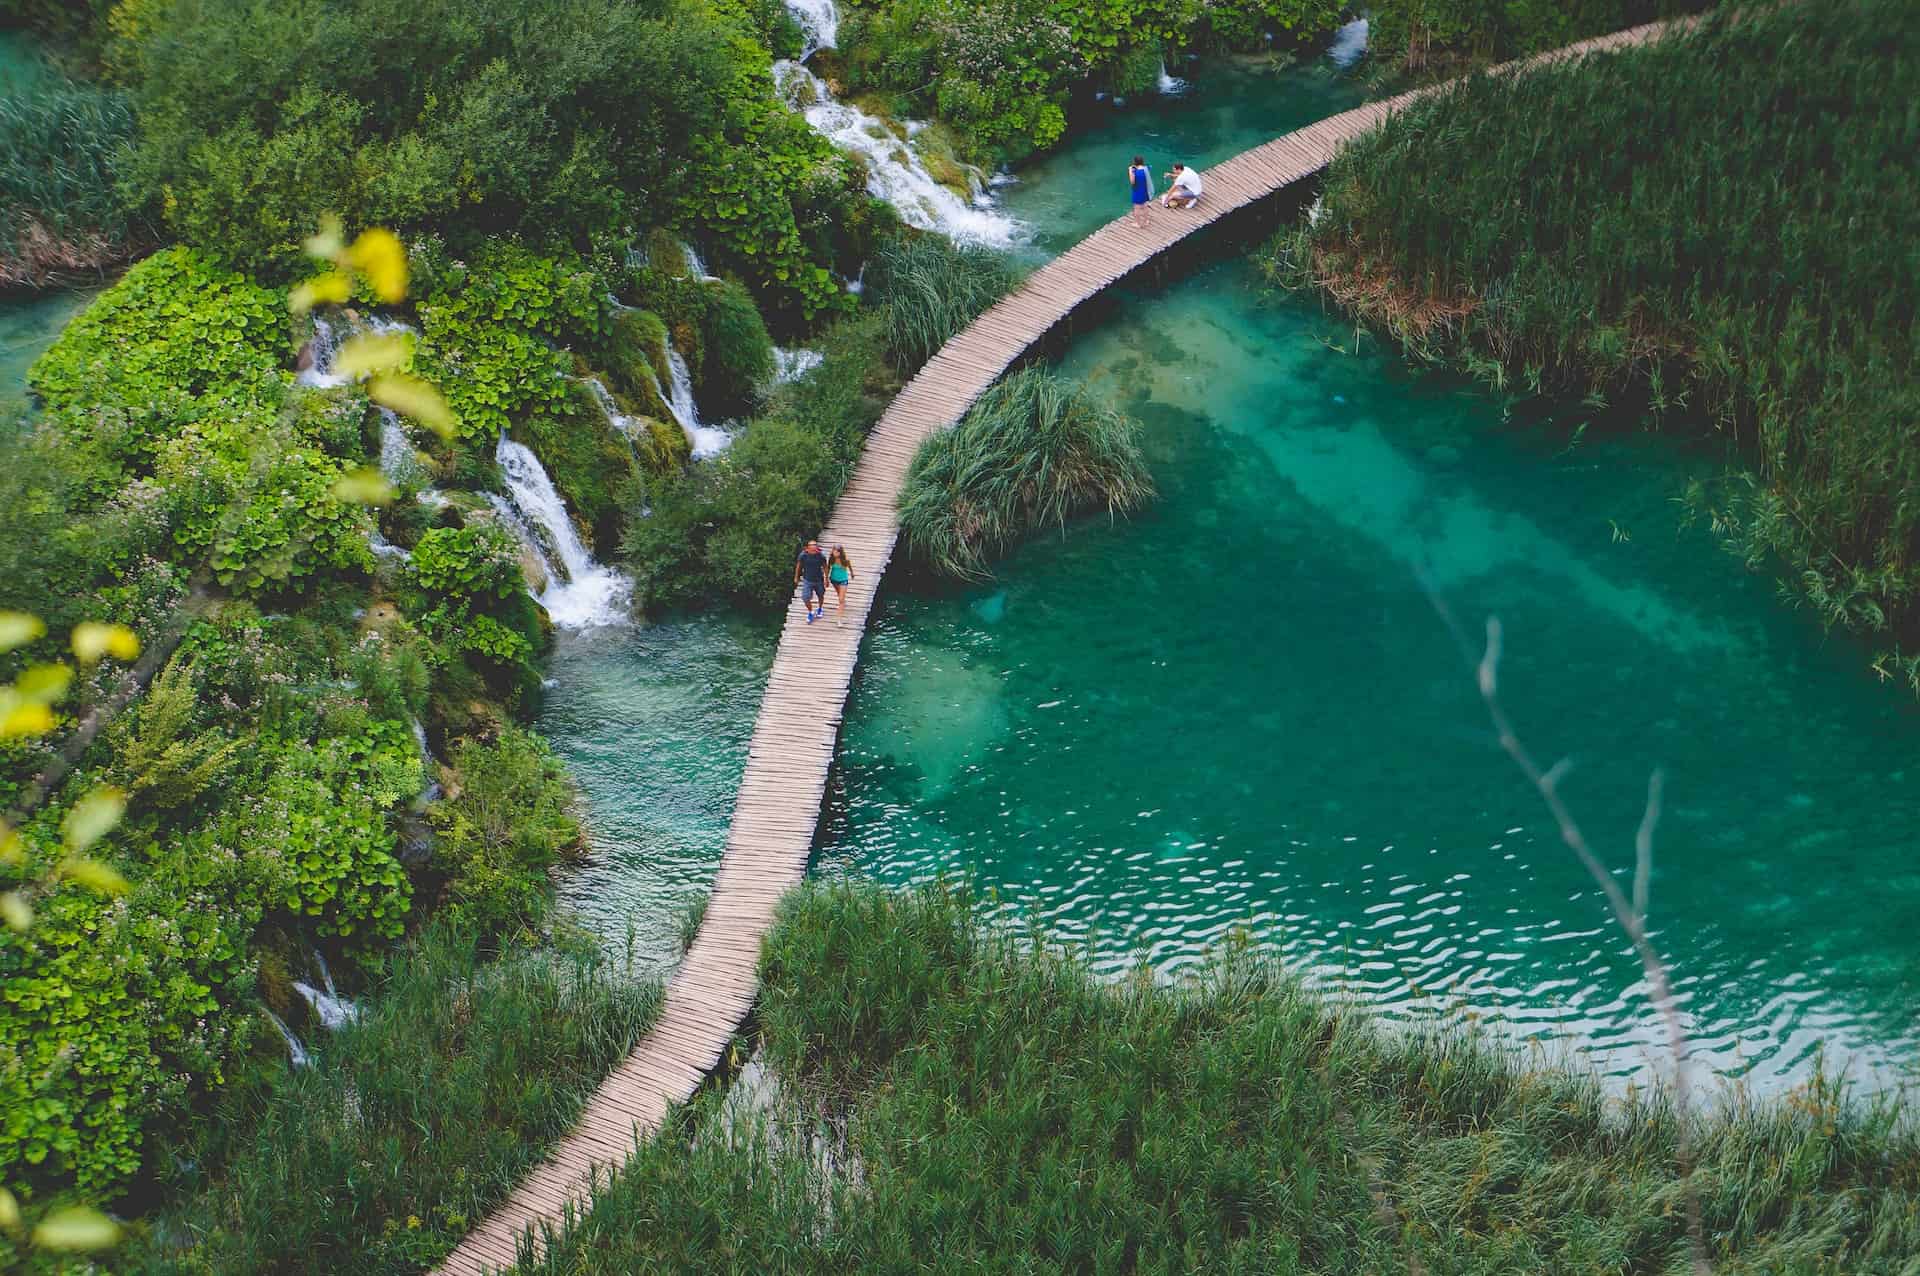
(637, 351)
(738, 352)
(587, 457)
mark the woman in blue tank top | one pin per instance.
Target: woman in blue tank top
(1141, 183)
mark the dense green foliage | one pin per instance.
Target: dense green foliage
(728, 530)
(1005, 74)
(496, 837)
(1437, 35)
(932, 288)
(952, 1101)
(61, 212)
(563, 121)
(1717, 229)
(1033, 452)
(411, 1124)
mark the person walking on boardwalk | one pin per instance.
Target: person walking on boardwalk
(1140, 183)
(839, 572)
(1186, 190)
(809, 572)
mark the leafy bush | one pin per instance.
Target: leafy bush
(506, 822)
(737, 356)
(932, 288)
(292, 526)
(175, 324)
(953, 1100)
(410, 1126)
(61, 213)
(1033, 451)
(475, 563)
(1501, 223)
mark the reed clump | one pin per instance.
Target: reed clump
(409, 1126)
(955, 1100)
(932, 288)
(1714, 231)
(61, 213)
(1033, 452)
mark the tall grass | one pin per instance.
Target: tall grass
(1717, 230)
(932, 288)
(955, 1101)
(409, 1126)
(61, 213)
(1034, 451)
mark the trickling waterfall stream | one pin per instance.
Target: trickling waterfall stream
(580, 593)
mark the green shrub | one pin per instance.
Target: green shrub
(932, 288)
(291, 526)
(508, 822)
(410, 1126)
(738, 354)
(1033, 451)
(174, 324)
(1502, 224)
(475, 563)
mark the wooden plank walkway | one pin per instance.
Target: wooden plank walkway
(778, 805)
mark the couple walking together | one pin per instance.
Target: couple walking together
(1184, 192)
(813, 571)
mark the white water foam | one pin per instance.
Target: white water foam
(1170, 85)
(707, 440)
(332, 1010)
(894, 173)
(580, 592)
(791, 365)
(1349, 44)
(820, 20)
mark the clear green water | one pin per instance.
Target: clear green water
(1243, 710)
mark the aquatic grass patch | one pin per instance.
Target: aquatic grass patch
(1035, 451)
(1714, 232)
(409, 1126)
(954, 1099)
(932, 288)
(61, 211)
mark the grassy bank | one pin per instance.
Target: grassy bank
(1438, 37)
(1715, 232)
(408, 1127)
(987, 1108)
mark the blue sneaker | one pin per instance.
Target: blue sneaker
(809, 617)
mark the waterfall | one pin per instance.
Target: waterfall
(894, 173)
(296, 1053)
(820, 20)
(707, 440)
(429, 787)
(580, 593)
(619, 420)
(321, 350)
(384, 548)
(791, 365)
(1349, 43)
(329, 1007)
(1170, 85)
(696, 268)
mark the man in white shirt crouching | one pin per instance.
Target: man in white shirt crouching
(1186, 188)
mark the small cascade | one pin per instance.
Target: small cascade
(894, 173)
(296, 1053)
(1349, 44)
(580, 593)
(430, 787)
(696, 267)
(1170, 85)
(820, 20)
(706, 440)
(329, 1007)
(791, 365)
(619, 420)
(321, 352)
(384, 548)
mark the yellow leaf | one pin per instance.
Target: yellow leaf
(15, 912)
(25, 720)
(101, 879)
(377, 254)
(10, 852)
(17, 627)
(372, 352)
(334, 286)
(9, 1211)
(92, 817)
(411, 396)
(332, 238)
(43, 684)
(76, 1228)
(92, 640)
(365, 486)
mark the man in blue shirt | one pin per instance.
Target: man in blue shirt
(810, 573)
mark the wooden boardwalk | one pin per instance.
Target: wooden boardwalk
(771, 837)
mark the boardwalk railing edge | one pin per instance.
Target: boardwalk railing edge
(791, 751)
